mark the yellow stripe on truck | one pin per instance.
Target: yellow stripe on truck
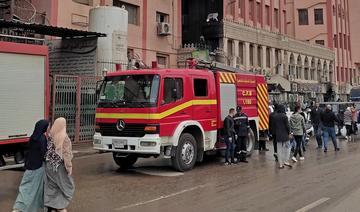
(156, 116)
(263, 109)
(229, 78)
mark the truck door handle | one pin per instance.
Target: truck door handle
(182, 112)
(208, 111)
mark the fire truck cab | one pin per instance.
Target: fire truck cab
(173, 113)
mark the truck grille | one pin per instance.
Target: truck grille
(130, 130)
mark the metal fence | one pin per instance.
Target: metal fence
(74, 98)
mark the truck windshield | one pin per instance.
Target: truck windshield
(130, 91)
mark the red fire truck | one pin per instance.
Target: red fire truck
(24, 95)
(174, 113)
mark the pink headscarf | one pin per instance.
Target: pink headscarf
(58, 135)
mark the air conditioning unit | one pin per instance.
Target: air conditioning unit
(163, 29)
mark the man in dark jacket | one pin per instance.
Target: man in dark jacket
(242, 131)
(272, 130)
(281, 128)
(315, 116)
(328, 120)
(229, 136)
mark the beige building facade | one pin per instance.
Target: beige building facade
(252, 35)
(327, 23)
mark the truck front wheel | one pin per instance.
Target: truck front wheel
(124, 162)
(186, 153)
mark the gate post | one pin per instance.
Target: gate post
(77, 113)
(53, 100)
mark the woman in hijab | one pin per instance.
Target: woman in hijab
(31, 190)
(59, 184)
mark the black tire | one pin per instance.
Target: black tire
(2, 161)
(19, 157)
(125, 162)
(186, 153)
(250, 144)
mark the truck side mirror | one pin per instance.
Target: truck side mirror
(98, 87)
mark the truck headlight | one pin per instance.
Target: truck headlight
(97, 141)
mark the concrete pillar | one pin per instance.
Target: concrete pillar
(272, 60)
(225, 46)
(263, 57)
(256, 60)
(236, 52)
(282, 61)
(247, 55)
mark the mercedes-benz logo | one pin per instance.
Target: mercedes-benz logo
(120, 125)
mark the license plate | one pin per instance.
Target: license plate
(119, 143)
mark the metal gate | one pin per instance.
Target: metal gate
(74, 98)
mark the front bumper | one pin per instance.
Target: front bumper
(133, 144)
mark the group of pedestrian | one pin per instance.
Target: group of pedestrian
(47, 182)
(236, 131)
(282, 131)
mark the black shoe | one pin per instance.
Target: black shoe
(244, 161)
(276, 157)
(266, 150)
(337, 149)
(288, 165)
(325, 150)
(319, 147)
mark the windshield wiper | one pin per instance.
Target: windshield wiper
(118, 103)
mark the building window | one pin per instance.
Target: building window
(267, 15)
(340, 40)
(268, 57)
(334, 10)
(200, 87)
(345, 42)
(133, 11)
(251, 10)
(258, 12)
(276, 18)
(319, 17)
(320, 42)
(162, 61)
(84, 2)
(303, 17)
(349, 42)
(241, 7)
(335, 41)
(162, 17)
(173, 90)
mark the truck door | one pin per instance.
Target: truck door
(173, 106)
(204, 101)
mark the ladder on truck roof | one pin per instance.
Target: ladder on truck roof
(216, 66)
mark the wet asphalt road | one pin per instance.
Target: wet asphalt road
(323, 182)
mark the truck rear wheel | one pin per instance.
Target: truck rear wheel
(186, 153)
(125, 162)
(250, 142)
(2, 161)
